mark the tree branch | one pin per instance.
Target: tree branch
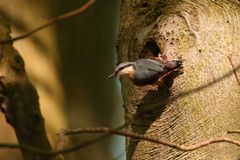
(233, 131)
(109, 131)
(51, 21)
(154, 140)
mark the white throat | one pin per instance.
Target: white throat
(129, 71)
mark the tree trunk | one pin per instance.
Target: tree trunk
(19, 100)
(201, 103)
(41, 58)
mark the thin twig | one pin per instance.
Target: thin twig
(62, 140)
(23, 147)
(88, 143)
(234, 131)
(109, 131)
(150, 139)
(52, 21)
(61, 151)
(234, 70)
(61, 144)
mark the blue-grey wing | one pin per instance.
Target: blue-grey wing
(150, 65)
(148, 71)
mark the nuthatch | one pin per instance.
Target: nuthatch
(146, 71)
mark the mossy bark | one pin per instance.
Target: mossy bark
(201, 103)
(19, 100)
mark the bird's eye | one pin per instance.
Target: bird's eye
(120, 69)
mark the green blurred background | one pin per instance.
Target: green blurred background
(69, 63)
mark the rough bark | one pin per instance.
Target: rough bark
(201, 103)
(19, 100)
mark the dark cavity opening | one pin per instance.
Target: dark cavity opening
(151, 48)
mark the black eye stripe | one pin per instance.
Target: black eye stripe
(121, 68)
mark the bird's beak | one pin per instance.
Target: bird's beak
(112, 75)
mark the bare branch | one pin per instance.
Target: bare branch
(61, 143)
(109, 131)
(234, 131)
(23, 147)
(88, 143)
(62, 140)
(150, 139)
(52, 21)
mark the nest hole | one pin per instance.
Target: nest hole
(151, 49)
